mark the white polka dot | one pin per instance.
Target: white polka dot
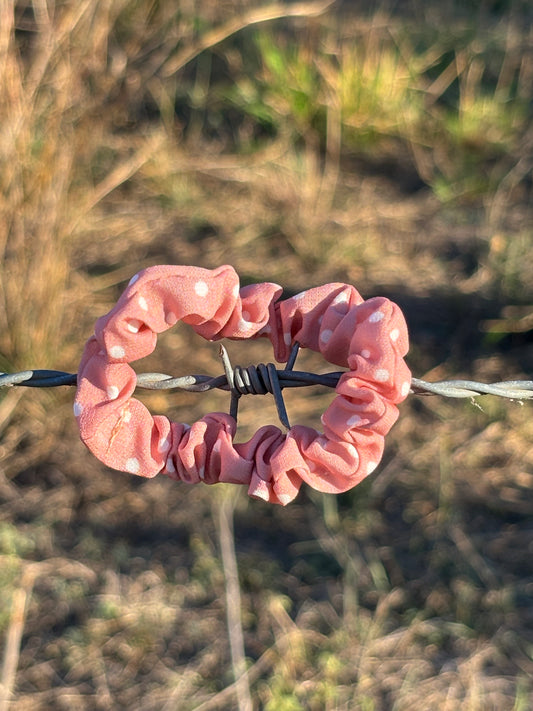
(169, 466)
(395, 334)
(382, 375)
(126, 416)
(326, 335)
(171, 318)
(261, 494)
(341, 298)
(134, 325)
(201, 289)
(133, 466)
(117, 352)
(217, 446)
(266, 329)
(285, 499)
(370, 467)
(164, 444)
(406, 387)
(78, 409)
(376, 317)
(246, 315)
(245, 325)
(112, 392)
(143, 303)
(365, 353)
(287, 338)
(201, 473)
(353, 420)
(319, 319)
(133, 279)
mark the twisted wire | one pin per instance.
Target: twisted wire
(512, 389)
(250, 380)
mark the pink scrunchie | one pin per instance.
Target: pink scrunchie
(367, 337)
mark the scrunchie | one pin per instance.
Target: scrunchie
(369, 338)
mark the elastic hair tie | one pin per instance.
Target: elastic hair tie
(368, 338)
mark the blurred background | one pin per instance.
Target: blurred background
(384, 144)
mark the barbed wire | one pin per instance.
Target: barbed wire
(255, 380)
(261, 379)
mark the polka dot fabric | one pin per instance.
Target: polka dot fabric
(368, 338)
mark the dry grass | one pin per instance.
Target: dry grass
(374, 149)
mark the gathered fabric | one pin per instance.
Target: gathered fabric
(368, 338)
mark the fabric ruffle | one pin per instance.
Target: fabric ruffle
(369, 338)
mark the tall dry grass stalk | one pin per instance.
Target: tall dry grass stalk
(55, 80)
(226, 536)
(44, 107)
(37, 107)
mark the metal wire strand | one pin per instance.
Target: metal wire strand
(512, 389)
(257, 380)
(38, 378)
(253, 380)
